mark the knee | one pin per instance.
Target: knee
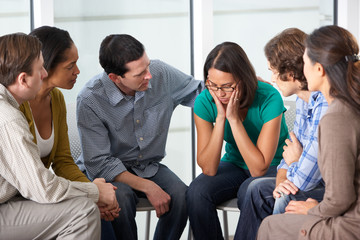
(86, 207)
(197, 193)
(178, 193)
(250, 192)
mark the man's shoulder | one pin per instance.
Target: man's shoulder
(318, 99)
(9, 113)
(92, 87)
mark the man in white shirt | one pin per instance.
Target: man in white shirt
(35, 203)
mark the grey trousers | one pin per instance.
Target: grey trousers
(77, 218)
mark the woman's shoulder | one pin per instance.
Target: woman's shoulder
(266, 94)
(57, 100)
(204, 97)
(341, 114)
(266, 90)
(204, 106)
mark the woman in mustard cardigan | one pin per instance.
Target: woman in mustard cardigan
(46, 113)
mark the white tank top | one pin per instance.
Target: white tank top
(45, 145)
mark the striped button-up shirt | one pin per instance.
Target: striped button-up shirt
(21, 169)
(120, 132)
(305, 173)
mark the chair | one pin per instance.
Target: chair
(75, 148)
(231, 205)
(227, 206)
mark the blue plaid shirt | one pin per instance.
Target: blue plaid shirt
(305, 173)
(120, 132)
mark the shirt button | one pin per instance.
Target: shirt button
(140, 156)
(141, 138)
(303, 232)
(138, 121)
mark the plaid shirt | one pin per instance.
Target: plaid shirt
(305, 173)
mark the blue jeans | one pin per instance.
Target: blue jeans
(170, 225)
(107, 231)
(259, 203)
(205, 192)
(281, 203)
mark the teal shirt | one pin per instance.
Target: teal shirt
(266, 106)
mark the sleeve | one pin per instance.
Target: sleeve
(282, 165)
(63, 163)
(23, 169)
(272, 106)
(184, 88)
(337, 154)
(305, 173)
(203, 109)
(96, 144)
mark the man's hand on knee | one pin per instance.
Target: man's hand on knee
(158, 198)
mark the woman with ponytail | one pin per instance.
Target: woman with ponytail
(332, 66)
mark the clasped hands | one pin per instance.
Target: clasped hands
(108, 204)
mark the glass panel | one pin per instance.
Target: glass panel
(252, 23)
(14, 16)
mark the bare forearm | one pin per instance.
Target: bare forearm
(281, 176)
(209, 157)
(133, 181)
(252, 156)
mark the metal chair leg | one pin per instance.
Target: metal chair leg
(226, 230)
(147, 227)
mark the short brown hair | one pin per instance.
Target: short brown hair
(17, 54)
(285, 54)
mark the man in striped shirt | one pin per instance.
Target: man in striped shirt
(35, 203)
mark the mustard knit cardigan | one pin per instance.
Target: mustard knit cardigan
(60, 157)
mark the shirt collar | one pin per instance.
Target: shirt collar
(113, 92)
(6, 94)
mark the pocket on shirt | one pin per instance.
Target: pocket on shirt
(157, 119)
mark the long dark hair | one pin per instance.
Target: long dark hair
(55, 42)
(229, 57)
(337, 51)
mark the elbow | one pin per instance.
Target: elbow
(258, 172)
(210, 173)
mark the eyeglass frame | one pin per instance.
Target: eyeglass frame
(219, 88)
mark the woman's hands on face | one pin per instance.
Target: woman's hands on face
(220, 107)
(232, 110)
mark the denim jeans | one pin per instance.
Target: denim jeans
(205, 192)
(259, 203)
(170, 225)
(281, 203)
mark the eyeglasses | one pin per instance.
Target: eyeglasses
(215, 88)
